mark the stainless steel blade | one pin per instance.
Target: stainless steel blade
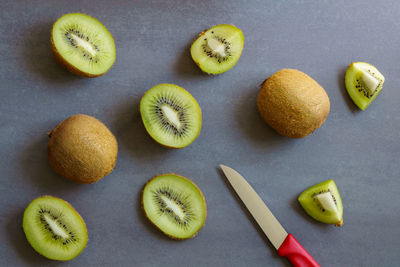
(261, 213)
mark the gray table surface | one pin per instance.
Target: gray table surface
(358, 149)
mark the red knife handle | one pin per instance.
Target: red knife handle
(295, 253)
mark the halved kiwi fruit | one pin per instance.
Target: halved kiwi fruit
(175, 205)
(83, 45)
(82, 149)
(218, 49)
(54, 228)
(322, 202)
(171, 115)
(363, 83)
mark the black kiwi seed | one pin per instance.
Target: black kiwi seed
(209, 52)
(164, 121)
(179, 201)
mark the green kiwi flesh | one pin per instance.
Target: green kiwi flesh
(83, 45)
(363, 83)
(322, 202)
(171, 115)
(54, 229)
(175, 205)
(218, 49)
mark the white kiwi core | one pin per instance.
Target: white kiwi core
(172, 116)
(371, 83)
(216, 46)
(84, 44)
(55, 227)
(174, 207)
(326, 201)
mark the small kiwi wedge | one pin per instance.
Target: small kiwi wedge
(218, 49)
(83, 45)
(322, 202)
(293, 103)
(175, 205)
(54, 228)
(82, 149)
(363, 83)
(171, 115)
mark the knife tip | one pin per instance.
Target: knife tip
(223, 167)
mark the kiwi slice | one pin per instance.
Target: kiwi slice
(322, 202)
(82, 149)
(171, 115)
(218, 49)
(363, 83)
(175, 205)
(54, 228)
(83, 45)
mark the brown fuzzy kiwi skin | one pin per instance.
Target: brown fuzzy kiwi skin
(196, 62)
(293, 103)
(67, 65)
(82, 149)
(201, 193)
(340, 223)
(79, 215)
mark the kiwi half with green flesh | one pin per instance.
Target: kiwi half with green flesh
(82, 149)
(363, 83)
(171, 115)
(218, 49)
(83, 45)
(322, 202)
(54, 228)
(175, 205)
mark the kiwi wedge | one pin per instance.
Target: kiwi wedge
(363, 83)
(218, 49)
(54, 228)
(83, 45)
(171, 115)
(82, 149)
(293, 103)
(322, 202)
(175, 205)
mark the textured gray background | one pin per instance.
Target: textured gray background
(359, 150)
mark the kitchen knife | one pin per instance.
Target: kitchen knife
(285, 243)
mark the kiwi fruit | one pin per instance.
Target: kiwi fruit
(322, 202)
(218, 49)
(83, 45)
(293, 103)
(175, 205)
(363, 83)
(54, 228)
(171, 115)
(82, 149)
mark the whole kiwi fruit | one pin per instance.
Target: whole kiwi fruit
(82, 149)
(293, 103)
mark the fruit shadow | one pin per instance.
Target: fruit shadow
(253, 126)
(250, 217)
(146, 223)
(343, 91)
(16, 237)
(185, 66)
(38, 57)
(132, 135)
(34, 165)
